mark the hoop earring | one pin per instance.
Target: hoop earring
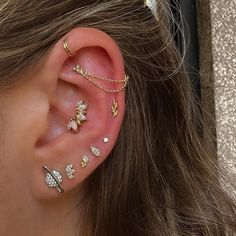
(67, 49)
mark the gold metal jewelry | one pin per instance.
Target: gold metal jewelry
(80, 116)
(91, 78)
(84, 161)
(114, 108)
(67, 49)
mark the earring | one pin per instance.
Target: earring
(96, 151)
(92, 79)
(53, 179)
(114, 108)
(84, 161)
(106, 140)
(67, 49)
(70, 171)
(79, 118)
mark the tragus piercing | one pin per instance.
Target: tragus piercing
(92, 79)
(96, 151)
(70, 171)
(53, 179)
(114, 108)
(79, 117)
(67, 49)
(84, 161)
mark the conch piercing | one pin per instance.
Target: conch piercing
(84, 161)
(114, 108)
(53, 179)
(70, 171)
(67, 49)
(92, 79)
(79, 117)
(96, 151)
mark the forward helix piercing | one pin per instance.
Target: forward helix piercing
(53, 179)
(80, 116)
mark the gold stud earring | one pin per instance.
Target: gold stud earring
(114, 108)
(67, 49)
(79, 117)
(84, 161)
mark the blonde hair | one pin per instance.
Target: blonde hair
(161, 178)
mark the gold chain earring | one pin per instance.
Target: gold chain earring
(92, 79)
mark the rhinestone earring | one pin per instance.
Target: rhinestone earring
(53, 179)
(79, 118)
(84, 161)
(96, 151)
(70, 171)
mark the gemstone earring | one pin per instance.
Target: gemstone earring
(96, 151)
(70, 171)
(84, 161)
(79, 118)
(53, 179)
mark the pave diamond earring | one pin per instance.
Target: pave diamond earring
(84, 161)
(70, 171)
(53, 179)
(96, 151)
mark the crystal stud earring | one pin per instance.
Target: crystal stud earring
(70, 171)
(96, 151)
(106, 140)
(53, 179)
(84, 161)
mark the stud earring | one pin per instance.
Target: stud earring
(53, 179)
(84, 161)
(106, 140)
(96, 151)
(114, 108)
(70, 171)
(79, 117)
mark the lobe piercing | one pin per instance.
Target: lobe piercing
(96, 151)
(67, 49)
(53, 179)
(114, 108)
(79, 117)
(70, 171)
(106, 140)
(84, 161)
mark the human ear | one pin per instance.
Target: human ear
(57, 147)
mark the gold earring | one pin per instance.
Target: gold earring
(67, 49)
(84, 161)
(79, 117)
(92, 79)
(114, 108)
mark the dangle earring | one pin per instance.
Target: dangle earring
(53, 179)
(79, 117)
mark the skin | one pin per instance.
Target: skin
(34, 115)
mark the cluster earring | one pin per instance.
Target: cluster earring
(70, 171)
(53, 179)
(84, 161)
(96, 151)
(79, 117)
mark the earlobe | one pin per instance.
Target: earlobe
(87, 109)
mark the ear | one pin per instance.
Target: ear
(57, 147)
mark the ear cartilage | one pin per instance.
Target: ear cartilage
(84, 161)
(70, 171)
(79, 117)
(106, 140)
(53, 179)
(96, 151)
(93, 79)
(114, 108)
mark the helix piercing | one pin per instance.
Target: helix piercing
(53, 179)
(79, 117)
(67, 49)
(106, 140)
(70, 171)
(114, 108)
